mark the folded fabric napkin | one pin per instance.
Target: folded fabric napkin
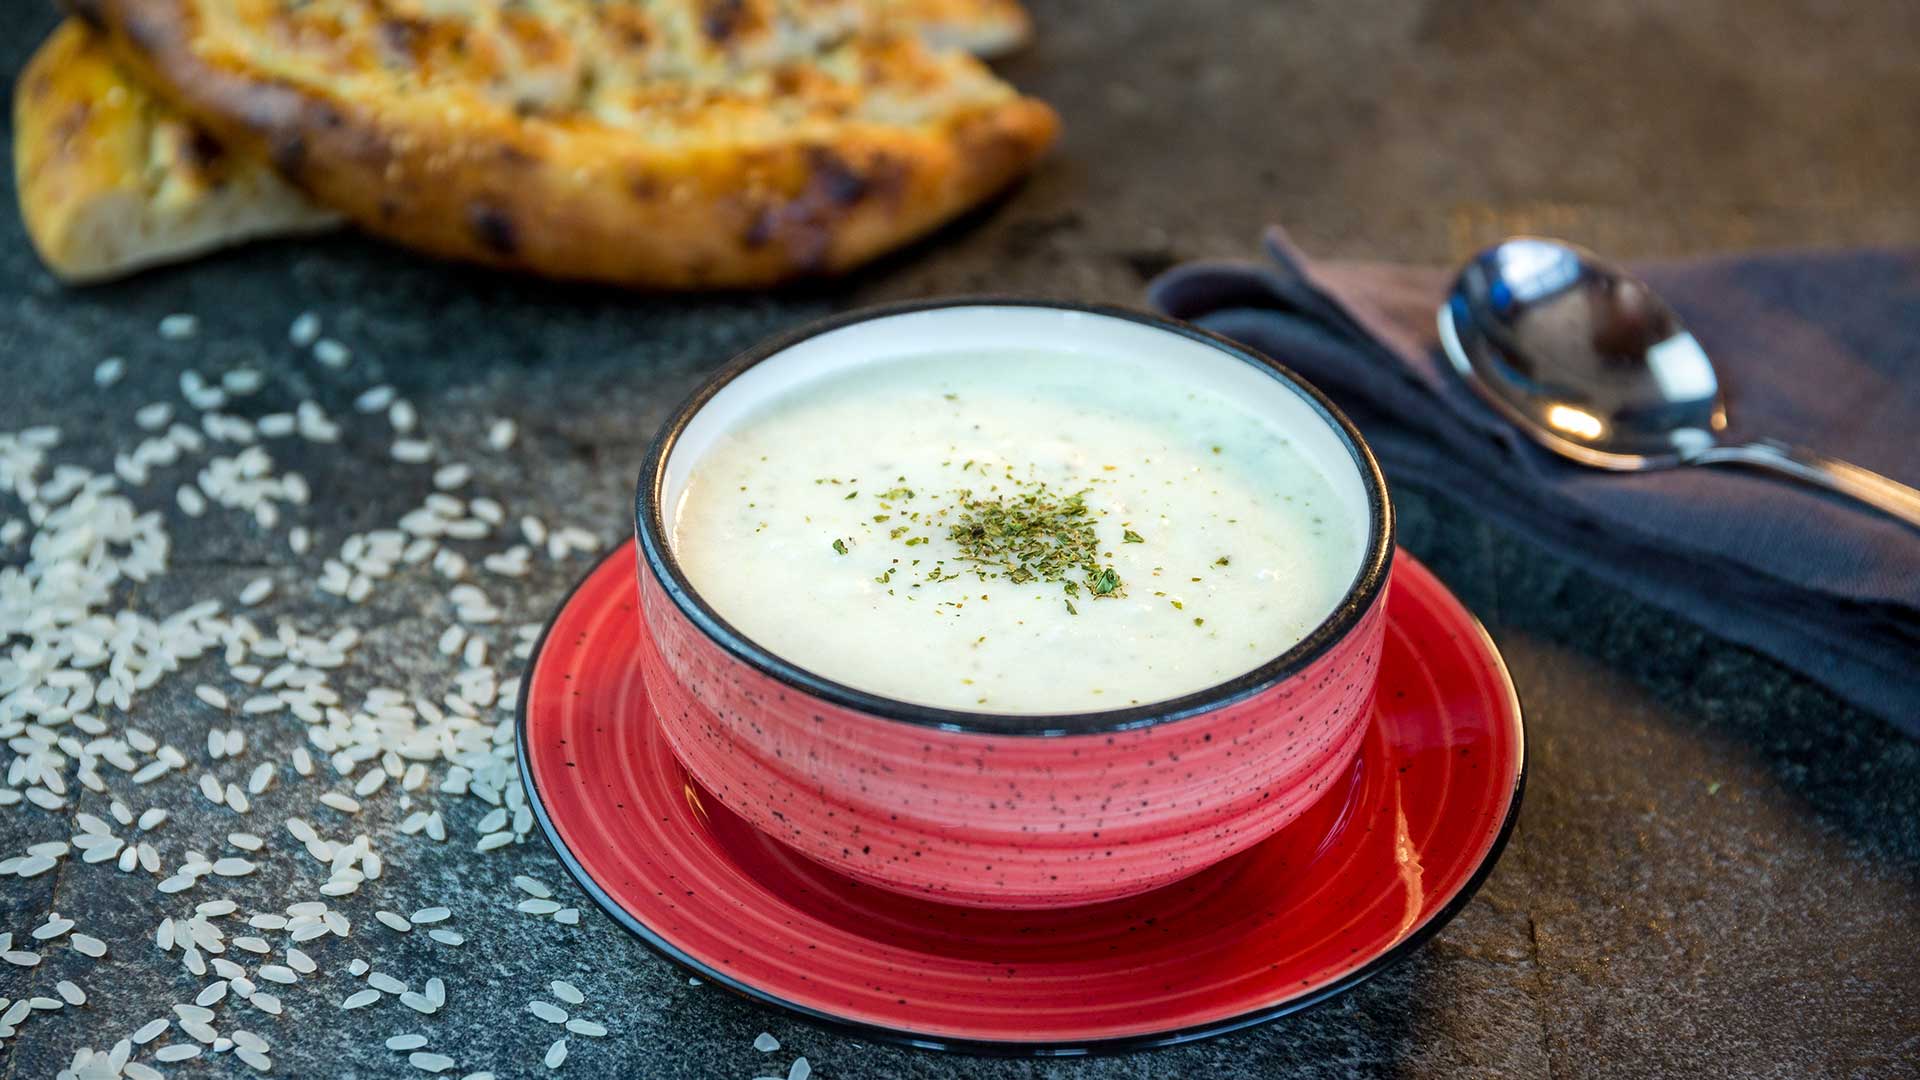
(1820, 350)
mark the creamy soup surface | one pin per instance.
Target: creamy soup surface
(1015, 533)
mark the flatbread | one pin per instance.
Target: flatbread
(111, 180)
(696, 143)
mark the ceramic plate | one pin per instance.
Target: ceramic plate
(1394, 851)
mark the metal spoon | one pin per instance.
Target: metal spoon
(1586, 360)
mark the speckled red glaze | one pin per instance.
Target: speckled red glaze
(1007, 812)
(1358, 882)
(1009, 821)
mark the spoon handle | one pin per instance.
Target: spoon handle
(1891, 497)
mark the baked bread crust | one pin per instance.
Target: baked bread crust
(618, 140)
(111, 180)
(981, 27)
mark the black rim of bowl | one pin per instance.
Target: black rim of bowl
(656, 552)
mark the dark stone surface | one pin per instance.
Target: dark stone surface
(1718, 868)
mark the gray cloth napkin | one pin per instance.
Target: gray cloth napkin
(1818, 349)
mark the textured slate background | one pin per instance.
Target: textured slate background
(1718, 869)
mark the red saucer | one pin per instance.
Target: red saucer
(1373, 870)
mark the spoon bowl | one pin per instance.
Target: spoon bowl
(1590, 363)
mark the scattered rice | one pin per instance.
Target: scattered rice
(532, 886)
(428, 1062)
(393, 921)
(412, 451)
(242, 381)
(52, 928)
(765, 1042)
(73, 678)
(556, 1054)
(548, 1011)
(305, 330)
(153, 417)
(587, 1028)
(332, 353)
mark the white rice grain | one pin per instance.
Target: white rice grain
(332, 354)
(501, 434)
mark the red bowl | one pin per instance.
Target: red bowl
(989, 809)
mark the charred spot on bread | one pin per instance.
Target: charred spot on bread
(289, 154)
(831, 181)
(494, 229)
(722, 19)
